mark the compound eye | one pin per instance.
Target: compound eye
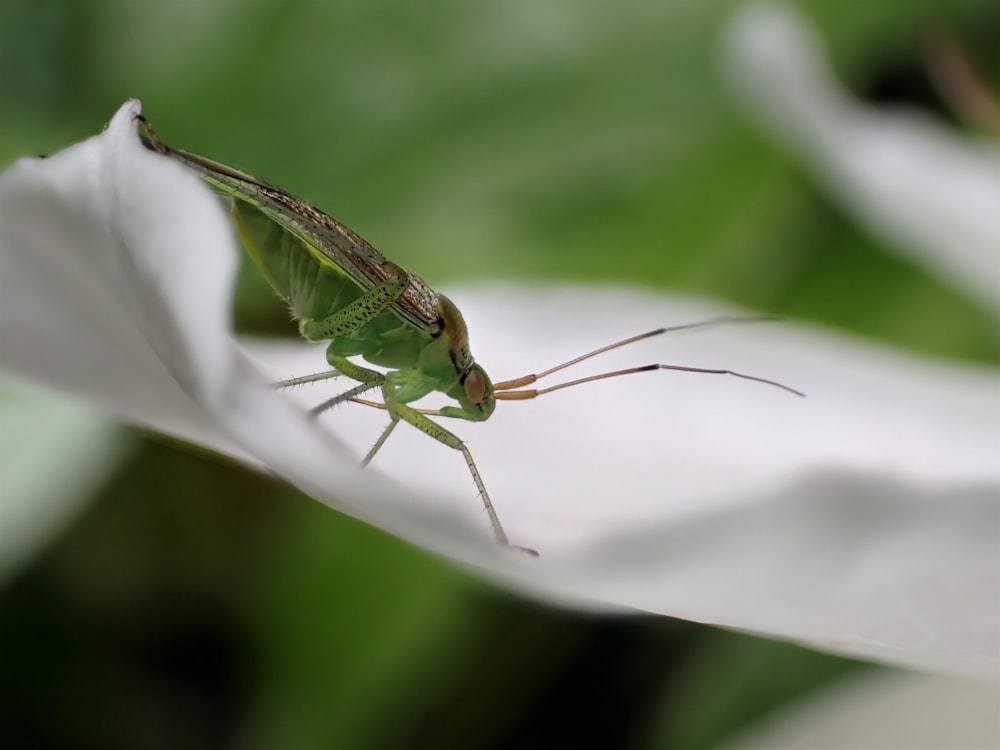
(475, 386)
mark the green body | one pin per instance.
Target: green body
(397, 323)
(342, 289)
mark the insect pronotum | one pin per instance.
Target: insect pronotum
(343, 290)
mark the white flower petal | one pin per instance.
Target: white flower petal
(71, 313)
(928, 192)
(886, 709)
(183, 257)
(861, 520)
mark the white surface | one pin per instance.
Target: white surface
(863, 520)
(887, 710)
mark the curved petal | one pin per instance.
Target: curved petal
(863, 520)
(931, 194)
(70, 311)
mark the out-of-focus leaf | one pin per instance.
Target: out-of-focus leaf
(53, 456)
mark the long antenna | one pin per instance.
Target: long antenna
(536, 392)
(505, 390)
(524, 380)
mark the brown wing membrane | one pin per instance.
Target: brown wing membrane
(335, 243)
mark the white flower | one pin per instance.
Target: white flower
(929, 193)
(862, 520)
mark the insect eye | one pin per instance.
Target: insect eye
(475, 387)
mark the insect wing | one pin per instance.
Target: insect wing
(326, 239)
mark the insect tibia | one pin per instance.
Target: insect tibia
(303, 379)
(344, 397)
(394, 420)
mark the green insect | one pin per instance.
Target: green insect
(343, 290)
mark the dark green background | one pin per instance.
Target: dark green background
(195, 605)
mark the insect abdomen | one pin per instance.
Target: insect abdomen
(313, 290)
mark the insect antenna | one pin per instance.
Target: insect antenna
(506, 390)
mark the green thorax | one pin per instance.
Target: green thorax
(428, 357)
(315, 288)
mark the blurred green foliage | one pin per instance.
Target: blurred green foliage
(196, 605)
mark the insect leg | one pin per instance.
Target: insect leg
(393, 421)
(439, 433)
(303, 379)
(367, 379)
(359, 313)
(346, 322)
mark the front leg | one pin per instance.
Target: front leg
(399, 410)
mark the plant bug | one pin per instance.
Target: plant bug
(342, 290)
